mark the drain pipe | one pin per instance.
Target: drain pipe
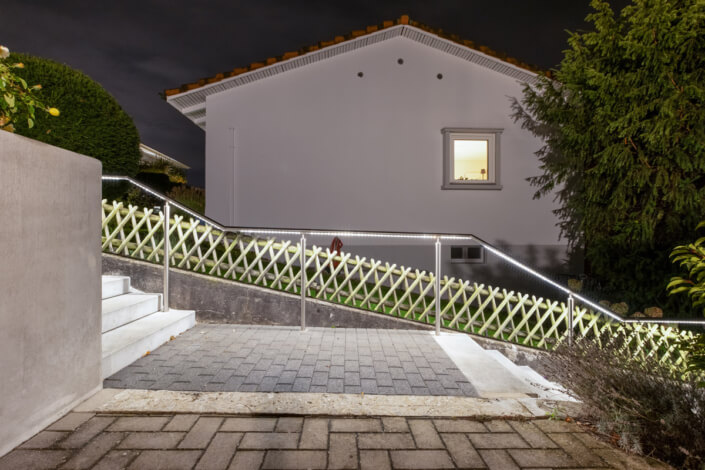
(303, 282)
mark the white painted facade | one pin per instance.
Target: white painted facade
(318, 146)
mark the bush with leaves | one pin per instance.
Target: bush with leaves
(644, 406)
(92, 122)
(624, 125)
(18, 100)
(193, 198)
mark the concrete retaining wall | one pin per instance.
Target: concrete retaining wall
(50, 316)
(220, 301)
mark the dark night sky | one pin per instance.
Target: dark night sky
(136, 49)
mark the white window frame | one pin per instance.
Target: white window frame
(450, 135)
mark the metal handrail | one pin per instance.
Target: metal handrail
(437, 237)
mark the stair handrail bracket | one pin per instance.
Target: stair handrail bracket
(255, 256)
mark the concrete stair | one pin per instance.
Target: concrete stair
(494, 375)
(134, 324)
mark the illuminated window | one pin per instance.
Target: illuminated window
(471, 158)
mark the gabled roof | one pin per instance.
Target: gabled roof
(190, 99)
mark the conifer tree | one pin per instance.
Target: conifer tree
(623, 123)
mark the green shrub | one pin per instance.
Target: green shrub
(91, 123)
(193, 198)
(645, 406)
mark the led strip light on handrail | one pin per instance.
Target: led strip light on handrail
(406, 235)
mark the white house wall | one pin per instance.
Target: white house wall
(321, 147)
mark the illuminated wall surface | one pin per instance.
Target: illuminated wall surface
(322, 147)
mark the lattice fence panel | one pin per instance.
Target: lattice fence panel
(372, 285)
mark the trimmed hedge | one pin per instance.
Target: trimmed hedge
(91, 122)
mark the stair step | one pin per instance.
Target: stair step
(489, 376)
(541, 386)
(126, 308)
(114, 286)
(124, 345)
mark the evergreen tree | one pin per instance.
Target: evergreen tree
(623, 123)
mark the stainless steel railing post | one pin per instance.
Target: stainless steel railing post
(303, 282)
(571, 310)
(165, 299)
(438, 286)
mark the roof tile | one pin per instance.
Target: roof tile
(404, 19)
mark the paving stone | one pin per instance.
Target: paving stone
(415, 380)
(33, 459)
(374, 460)
(397, 373)
(576, 449)
(336, 385)
(462, 452)
(267, 384)
(283, 387)
(287, 377)
(94, 451)
(139, 423)
(427, 373)
(368, 386)
(289, 424)
(201, 433)
(458, 425)
(352, 378)
(44, 440)
(295, 459)
(384, 380)
(367, 372)
(402, 387)
(116, 460)
(219, 451)
(355, 425)
(248, 388)
(314, 434)
(254, 377)
(436, 388)
(248, 424)
(421, 459)
(542, 458)
(551, 425)
(319, 378)
(498, 440)
(385, 390)
(166, 460)
(533, 435)
(269, 440)
(498, 460)
(70, 422)
(301, 384)
(318, 389)
(590, 441)
(181, 422)
(342, 451)
(86, 432)
(385, 441)
(498, 426)
(151, 440)
(425, 434)
(395, 424)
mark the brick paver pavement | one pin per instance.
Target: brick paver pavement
(242, 358)
(179, 441)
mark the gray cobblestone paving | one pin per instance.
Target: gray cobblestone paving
(195, 442)
(242, 358)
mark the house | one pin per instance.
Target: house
(394, 128)
(150, 156)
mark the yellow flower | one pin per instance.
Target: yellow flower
(37, 87)
(19, 65)
(53, 111)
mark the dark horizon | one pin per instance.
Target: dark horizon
(136, 50)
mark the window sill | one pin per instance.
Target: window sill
(472, 186)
